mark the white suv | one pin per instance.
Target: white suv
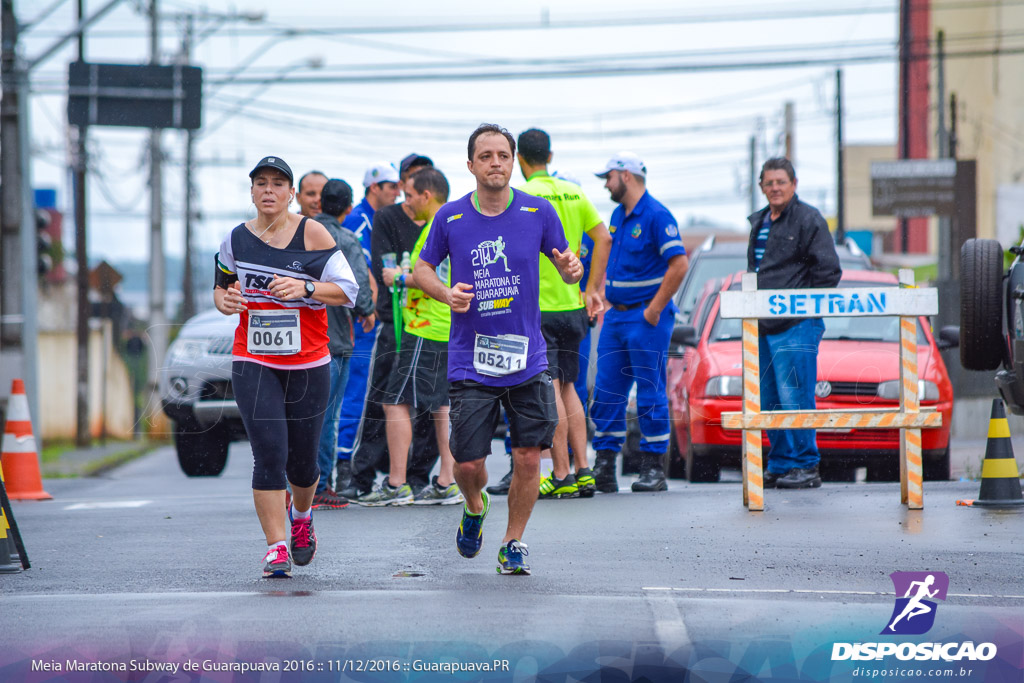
(196, 393)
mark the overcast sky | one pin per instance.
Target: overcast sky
(336, 86)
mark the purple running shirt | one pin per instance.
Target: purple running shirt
(498, 341)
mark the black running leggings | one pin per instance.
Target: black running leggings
(283, 412)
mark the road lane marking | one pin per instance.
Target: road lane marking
(109, 505)
(668, 622)
(814, 592)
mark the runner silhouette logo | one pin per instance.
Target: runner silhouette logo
(914, 612)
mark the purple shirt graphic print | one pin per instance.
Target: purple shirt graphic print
(498, 341)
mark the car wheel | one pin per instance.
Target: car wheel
(702, 468)
(937, 468)
(884, 470)
(981, 312)
(837, 471)
(202, 452)
(676, 466)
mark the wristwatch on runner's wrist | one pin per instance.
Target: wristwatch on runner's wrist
(310, 288)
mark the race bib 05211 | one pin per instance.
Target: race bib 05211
(501, 355)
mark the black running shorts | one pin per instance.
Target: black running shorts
(283, 413)
(476, 409)
(563, 331)
(420, 378)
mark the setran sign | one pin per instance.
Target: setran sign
(136, 96)
(829, 303)
(913, 187)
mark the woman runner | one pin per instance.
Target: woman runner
(279, 271)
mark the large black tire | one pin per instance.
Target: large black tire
(982, 346)
(837, 470)
(884, 469)
(936, 468)
(702, 469)
(675, 468)
(202, 452)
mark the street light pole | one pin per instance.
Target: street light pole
(157, 281)
(188, 304)
(80, 173)
(18, 253)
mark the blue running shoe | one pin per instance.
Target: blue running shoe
(510, 558)
(470, 538)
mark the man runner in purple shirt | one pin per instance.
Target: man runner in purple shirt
(496, 352)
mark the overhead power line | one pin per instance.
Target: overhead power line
(718, 15)
(611, 70)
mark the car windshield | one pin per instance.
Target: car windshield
(860, 328)
(705, 268)
(719, 266)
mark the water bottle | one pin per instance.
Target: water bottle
(406, 269)
(390, 260)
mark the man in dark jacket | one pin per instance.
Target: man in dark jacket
(336, 203)
(395, 231)
(790, 248)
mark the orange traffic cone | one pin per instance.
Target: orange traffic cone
(18, 456)
(1000, 481)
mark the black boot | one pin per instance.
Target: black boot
(502, 487)
(652, 476)
(343, 472)
(604, 472)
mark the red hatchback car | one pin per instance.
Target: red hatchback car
(858, 367)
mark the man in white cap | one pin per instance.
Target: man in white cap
(381, 183)
(646, 265)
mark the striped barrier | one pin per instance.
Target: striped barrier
(908, 302)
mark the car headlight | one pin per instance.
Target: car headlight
(186, 351)
(926, 391)
(724, 385)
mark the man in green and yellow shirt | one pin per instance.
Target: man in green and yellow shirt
(565, 312)
(420, 379)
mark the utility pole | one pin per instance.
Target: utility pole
(840, 177)
(790, 135)
(80, 173)
(904, 104)
(754, 173)
(188, 304)
(157, 281)
(18, 253)
(952, 126)
(945, 223)
(10, 174)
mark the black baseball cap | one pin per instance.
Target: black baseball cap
(276, 163)
(335, 197)
(413, 160)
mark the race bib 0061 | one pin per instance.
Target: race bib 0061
(274, 332)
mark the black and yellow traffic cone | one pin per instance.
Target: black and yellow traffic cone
(1000, 480)
(8, 552)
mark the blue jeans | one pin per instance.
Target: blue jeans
(789, 371)
(632, 350)
(325, 455)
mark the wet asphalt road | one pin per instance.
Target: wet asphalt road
(145, 563)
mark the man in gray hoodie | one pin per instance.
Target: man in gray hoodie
(336, 203)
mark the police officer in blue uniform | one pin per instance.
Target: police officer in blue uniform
(646, 266)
